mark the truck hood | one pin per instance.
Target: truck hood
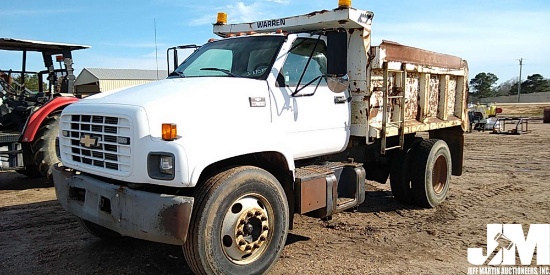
(194, 104)
(175, 92)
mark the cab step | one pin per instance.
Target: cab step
(322, 190)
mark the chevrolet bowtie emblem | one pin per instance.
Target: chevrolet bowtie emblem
(89, 141)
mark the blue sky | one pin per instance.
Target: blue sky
(490, 34)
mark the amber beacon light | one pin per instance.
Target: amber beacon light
(169, 131)
(222, 18)
(344, 4)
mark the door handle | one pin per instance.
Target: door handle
(341, 99)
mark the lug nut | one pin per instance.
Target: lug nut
(258, 213)
(240, 233)
(248, 247)
(243, 221)
(262, 238)
(263, 218)
(242, 242)
(256, 245)
(265, 227)
(249, 214)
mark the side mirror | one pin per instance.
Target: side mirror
(337, 53)
(338, 84)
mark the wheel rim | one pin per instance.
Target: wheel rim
(439, 175)
(246, 230)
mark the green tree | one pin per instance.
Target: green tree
(534, 83)
(483, 85)
(31, 81)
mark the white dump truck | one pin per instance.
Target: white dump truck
(276, 118)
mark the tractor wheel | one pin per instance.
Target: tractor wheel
(99, 231)
(43, 146)
(239, 223)
(30, 171)
(400, 174)
(431, 172)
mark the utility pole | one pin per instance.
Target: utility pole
(519, 81)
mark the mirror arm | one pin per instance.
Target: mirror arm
(318, 79)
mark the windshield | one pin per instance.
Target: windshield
(249, 57)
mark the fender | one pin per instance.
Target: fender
(36, 118)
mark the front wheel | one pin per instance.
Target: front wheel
(432, 172)
(239, 223)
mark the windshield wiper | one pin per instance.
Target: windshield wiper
(175, 73)
(229, 73)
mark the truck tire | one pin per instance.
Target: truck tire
(239, 223)
(400, 176)
(43, 146)
(432, 172)
(99, 231)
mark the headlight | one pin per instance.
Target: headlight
(160, 165)
(166, 165)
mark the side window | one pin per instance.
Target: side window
(297, 59)
(213, 58)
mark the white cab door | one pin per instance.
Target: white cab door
(315, 121)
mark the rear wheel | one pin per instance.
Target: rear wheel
(239, 223)
(43, 146)
(432, 172)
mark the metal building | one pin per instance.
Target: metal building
(96, 80)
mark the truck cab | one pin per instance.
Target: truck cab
(291, 71)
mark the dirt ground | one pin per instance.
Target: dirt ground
(506, 180)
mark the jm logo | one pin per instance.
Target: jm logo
(504, 239)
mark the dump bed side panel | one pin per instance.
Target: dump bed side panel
(433, 95)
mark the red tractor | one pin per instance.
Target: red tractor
(29, 118)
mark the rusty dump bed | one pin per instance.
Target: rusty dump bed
(426, 91)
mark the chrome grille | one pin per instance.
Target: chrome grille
(102, 142)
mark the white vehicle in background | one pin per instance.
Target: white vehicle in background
(278, 117)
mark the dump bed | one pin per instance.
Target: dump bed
(426, 91)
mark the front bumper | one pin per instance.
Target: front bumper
(139, 214)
